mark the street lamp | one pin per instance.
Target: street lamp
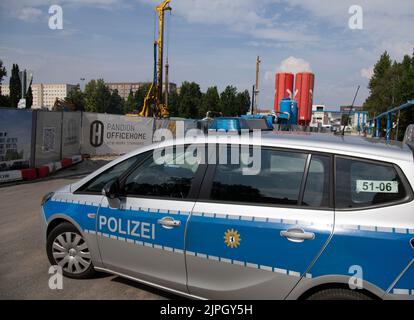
(83, 82)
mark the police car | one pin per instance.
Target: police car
(324, 217)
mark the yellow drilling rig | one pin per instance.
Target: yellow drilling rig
(153, 102)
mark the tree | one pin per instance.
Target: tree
(4, 101)
(15, 87)
(140, 95)
(392, 85)
(90, 96)
(380, 96)
(190, 99)
(29, 98)
(3, 73)
(173, 103)
(116, 105)
(243, 102)
(210, 101)
(228, 101)
(130, 104)
(76, 98)
(97, 97)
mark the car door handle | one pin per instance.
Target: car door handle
(169, 223)
(297, 235)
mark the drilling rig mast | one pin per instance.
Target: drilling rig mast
(153, 105)
(256, 91)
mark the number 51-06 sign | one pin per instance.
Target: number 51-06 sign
(377, 186)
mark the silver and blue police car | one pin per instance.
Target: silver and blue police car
(324, 217)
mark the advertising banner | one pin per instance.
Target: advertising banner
(15, 138)
(170, 125)
(104, 134)
(14, 175)
(71, 134)
(48, 137)
(178, 128)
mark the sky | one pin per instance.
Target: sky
(211, 42)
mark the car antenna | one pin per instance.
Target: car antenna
(350, 110)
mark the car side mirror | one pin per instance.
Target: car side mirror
(111, 190)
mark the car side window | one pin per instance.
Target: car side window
(96, 184)
(170, 179)
(277, 182)
(364, 183)
(317, 190)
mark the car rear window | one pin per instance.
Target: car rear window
(277, 182)
(362, 183)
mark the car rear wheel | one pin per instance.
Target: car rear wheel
(68, 249)
(338, 294)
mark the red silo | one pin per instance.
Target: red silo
(284, 87)
(304, 86)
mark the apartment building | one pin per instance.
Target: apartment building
(45, 94)
(125, 87)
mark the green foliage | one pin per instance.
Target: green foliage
(76, 98)
(391, 85)
(29, 98)
(228, 102)
(190, 99)
(130, 104)
(15, 87)
(189, 103)
(116, 104)
(98, 98)
(140, 95)
(210, 101)
(243, 102)
(4, 101)
(173, 103)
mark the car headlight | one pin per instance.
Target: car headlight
(47, 197)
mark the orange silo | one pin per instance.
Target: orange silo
(284, 88)
(304, 86)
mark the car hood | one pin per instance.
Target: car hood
(64, 189)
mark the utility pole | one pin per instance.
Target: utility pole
(253, 96)
(256, 92)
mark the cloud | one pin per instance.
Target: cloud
(29, 14)
(291, 64)
(367, 73)
(295, 65)
(384, 21)
(31, 10)
(249, 17)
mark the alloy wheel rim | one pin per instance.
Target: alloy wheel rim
(71, 252)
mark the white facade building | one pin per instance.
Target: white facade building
(324, 117)
(5, 90)
(44, 95)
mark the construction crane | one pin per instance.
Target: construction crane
(153, 105)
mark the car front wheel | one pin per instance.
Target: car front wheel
(68, 249)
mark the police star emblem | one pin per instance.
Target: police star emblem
(232, 238)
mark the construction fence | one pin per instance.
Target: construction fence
(33, 138)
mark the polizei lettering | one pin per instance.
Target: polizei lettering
(121, 227)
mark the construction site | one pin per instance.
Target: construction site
(274, 171)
